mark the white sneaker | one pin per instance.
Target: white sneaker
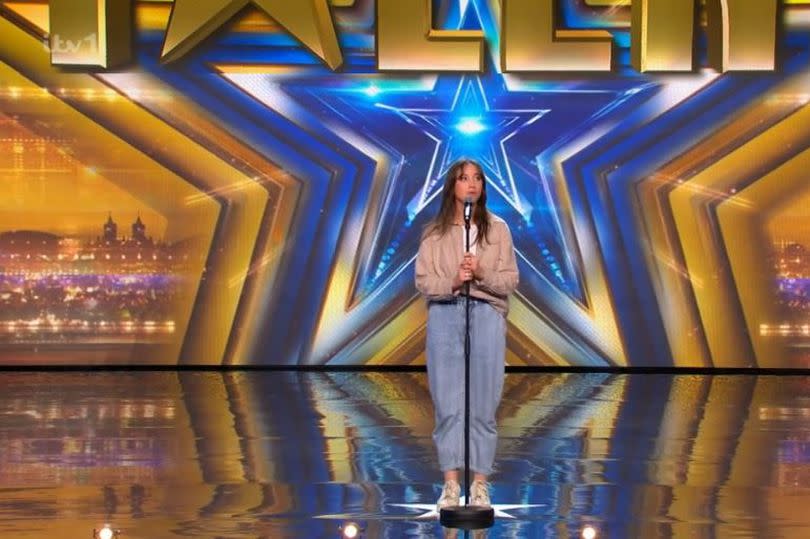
(479, 493)
(451, 492)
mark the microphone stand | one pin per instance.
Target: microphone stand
(467, 517)
(467, 482)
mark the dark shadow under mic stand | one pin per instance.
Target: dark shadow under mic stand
(467, 517)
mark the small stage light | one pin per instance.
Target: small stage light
(106, 532)
(588, 532)
(351, 530)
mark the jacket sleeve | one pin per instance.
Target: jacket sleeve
(503, 278)
(429, 283)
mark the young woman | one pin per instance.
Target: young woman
(442, 269)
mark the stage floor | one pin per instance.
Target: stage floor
(296, 455)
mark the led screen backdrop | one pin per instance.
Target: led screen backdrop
(233, 182)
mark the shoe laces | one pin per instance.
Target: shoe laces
(480, 492)
(450, 490)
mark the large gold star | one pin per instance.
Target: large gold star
(738, 234)
(197, 183)
(708, 306)
(309, 20)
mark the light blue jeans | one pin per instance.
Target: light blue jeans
(445, 366)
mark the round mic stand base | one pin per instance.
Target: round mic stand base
(467, 517)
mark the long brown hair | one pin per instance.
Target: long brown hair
(447, 211)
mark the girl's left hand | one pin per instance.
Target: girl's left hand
(470, 262)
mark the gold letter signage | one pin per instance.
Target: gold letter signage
(741, 34)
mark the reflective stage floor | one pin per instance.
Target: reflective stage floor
(278, 454)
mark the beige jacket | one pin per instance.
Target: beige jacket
(440, 256)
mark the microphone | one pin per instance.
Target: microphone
(468, 205)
